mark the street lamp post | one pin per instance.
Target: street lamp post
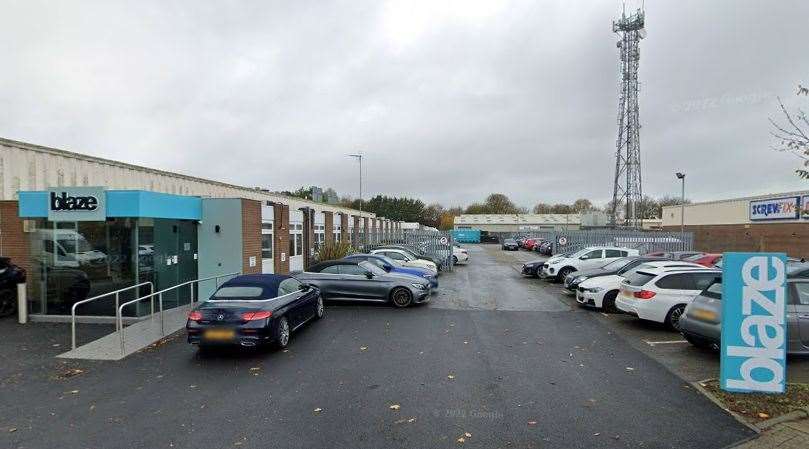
(681, 177)
(358, 156)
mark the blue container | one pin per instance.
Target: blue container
(466, 235)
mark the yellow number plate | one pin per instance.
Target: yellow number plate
(706, 315)
(219, 334)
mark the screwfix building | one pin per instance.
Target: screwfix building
(778, 222)
(83, 226)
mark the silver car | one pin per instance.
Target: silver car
(701, 324)
(352, 280)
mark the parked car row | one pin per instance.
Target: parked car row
(261, 309)
(682, 290)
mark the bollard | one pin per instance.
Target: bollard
(22, 304)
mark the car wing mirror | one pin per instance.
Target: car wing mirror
(305, 287)
(369, 275)
(388, 268)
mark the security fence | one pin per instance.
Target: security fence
(434, 245)
(645, 241)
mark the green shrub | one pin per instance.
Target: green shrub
(334, 250)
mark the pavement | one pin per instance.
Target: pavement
(495, 360)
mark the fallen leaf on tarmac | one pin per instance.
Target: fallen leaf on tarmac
(570, 355)
(467, 435)
(461, 440)
(363, 348)
(92, 407)
(405, 420)
(450, 377)
(11, 430)
(629, 368)
(596, 434)
(318, 410)
(285, 350)
(74, 391)
(532, 423)
(192, 386)
(466, 342)
(411, 420)
(763, 415)
(616, 437)
(395, 407)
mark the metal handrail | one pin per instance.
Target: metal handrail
(159, 294)
(117, 300)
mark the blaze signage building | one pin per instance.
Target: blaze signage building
(83, 226)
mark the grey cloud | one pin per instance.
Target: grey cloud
(449, 101)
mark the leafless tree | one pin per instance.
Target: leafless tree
(792, 133)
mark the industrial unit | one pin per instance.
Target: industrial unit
(777, 222)
(518, 222)
(83, 226)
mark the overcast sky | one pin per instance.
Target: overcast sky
(448, 101)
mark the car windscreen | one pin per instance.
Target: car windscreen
(616, 264)
(372, 268)
(238, 292)
(714, 290)
(638, 278)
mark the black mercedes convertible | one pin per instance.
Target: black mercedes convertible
(253, 310)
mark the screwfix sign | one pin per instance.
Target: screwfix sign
(786, 208)
(754, 330)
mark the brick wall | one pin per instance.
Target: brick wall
(328, 220)
(251, 236)
(344, 228)
(791, 238)
(13, 241)
(281, 237)
(356, 237)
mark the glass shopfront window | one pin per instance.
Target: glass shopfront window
(73, 261)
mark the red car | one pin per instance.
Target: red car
(529, 244)
(709, 260)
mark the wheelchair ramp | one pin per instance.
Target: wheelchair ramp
(136, 337)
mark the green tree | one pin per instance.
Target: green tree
(582, 205)
(542, 208)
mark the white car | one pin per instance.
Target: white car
(559, 267)
(600, 292)
(407, 260)
(661, 294)
(459, 255)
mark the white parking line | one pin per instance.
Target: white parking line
(667, 342)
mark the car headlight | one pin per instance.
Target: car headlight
(419, 286)
(594, 289)
(581, 279)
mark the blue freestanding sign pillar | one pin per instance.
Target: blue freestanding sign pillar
(754, 328)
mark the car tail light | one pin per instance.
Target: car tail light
(258, 315)
(195, 315)
(644, 294)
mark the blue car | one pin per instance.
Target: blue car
(387, 264)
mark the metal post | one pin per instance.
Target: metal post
(160, 306)
(117, 300)
(22, 304)
(682, 208)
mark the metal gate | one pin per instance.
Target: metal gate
(434, 245)
(644, 241)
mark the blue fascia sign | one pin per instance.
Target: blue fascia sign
(787, 208)
(754, 328)
(77, 204)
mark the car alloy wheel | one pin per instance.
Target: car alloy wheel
(673, 320)
(320, 309)
(563, 274)
(401, 297)
(608, 303)
(283, 332)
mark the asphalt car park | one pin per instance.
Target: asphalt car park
(494, 360)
